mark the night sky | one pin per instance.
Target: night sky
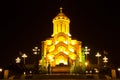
(25, 23)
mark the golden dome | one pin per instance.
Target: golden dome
(61, 15)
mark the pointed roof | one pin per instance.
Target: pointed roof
(61, 15)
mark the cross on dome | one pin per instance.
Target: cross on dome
(61, 9)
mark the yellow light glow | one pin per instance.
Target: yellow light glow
(69, 34)
(50, 57)
(72, 56)
(72, 50)
(52, 60)
(80, 60)
(56, 42)
(61, 59)
(61, 48)
(61, 39)
(86, 64)
(96, 71)
(49, 42)
(66, 53)
(65, 42)
(73, 42)
(51, 48)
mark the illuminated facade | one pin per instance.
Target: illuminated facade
(61, 48)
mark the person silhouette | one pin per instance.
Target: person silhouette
(49, 68)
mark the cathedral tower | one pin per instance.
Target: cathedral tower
(61, 24)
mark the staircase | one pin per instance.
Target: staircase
(60, 69)
(58, 77)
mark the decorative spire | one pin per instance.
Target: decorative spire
(61, 9)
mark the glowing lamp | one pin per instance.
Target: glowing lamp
(1, 69)
(118, 69)
(18, 60)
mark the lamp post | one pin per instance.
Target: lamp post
(36, 51)
(118, 72)
(18, 60)
(86, 51)
(1, 70)
(105, 60)
(24, 56)
(98, 55)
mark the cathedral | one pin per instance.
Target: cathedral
(60, 50)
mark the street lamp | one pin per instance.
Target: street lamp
(36, 51)
(98, 55)
(86, 51)
(105, 60)
(18, 60)
(1, 70)
(24, 56)
(86, 64)
(119, 69)
(118, 72)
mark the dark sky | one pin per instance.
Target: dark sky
(25, 23)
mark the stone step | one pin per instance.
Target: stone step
(62, 76)
(58, 76)
(60, 69)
